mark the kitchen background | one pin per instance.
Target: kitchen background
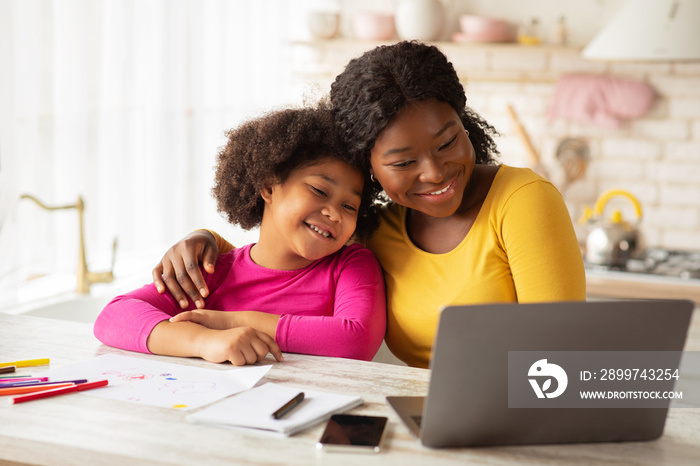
(126, 102)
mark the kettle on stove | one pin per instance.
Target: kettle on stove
(611, 241)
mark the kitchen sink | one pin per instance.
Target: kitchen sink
(78, 309)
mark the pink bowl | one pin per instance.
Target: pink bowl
(368, 25)
(480, 28)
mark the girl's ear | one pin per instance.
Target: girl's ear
(268, 188)
(266, 194)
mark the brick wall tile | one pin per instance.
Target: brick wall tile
(629, 148)
(491, 88)
(542, 89)
(499, 120)
(651, 237)
(674, 172)
(684, 151)
(574, 63)
(619, 169)
(695, 130)
(684, 107)
(636, 70)
(560, 128)
(478, 102)
(687, 69)
(680, 239)
(672, 217)
(679, 195)
(674, 86)
(512, 151)
(548, 150)
(471, 61)
(525, 105)
(581, 193)
(531, 59)
(669, 129)
(659, 109)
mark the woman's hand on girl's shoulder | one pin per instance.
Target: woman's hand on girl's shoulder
(179, 270)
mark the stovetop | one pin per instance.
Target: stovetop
(660, 262)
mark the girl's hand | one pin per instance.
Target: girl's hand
(240, 346)
(179, 268)
(218, 320)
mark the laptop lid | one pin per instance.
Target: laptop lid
(467, 402)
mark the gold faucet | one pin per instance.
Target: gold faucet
(84, 276)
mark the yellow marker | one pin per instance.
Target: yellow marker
(179, 406)
(26, 363)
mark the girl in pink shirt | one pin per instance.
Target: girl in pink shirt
(299, 288)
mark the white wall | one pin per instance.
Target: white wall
(126, 104)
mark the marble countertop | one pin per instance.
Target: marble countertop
(83, 430)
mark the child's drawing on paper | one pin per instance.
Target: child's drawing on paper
(162, 384)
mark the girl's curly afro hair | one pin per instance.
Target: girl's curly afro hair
(376, 86)
(264, 151)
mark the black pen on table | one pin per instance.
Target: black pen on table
(288, 406)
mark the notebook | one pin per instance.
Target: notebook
(468, 395)
(254, 408)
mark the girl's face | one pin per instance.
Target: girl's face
(423, 158)
(310, 215)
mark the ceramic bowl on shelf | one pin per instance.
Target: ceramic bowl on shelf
(483, 29)
(370, 25)
(323, 24)
(419, 19)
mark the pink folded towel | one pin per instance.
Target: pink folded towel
(599, 100)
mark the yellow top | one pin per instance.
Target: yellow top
(522, 247)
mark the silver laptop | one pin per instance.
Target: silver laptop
(468, 396)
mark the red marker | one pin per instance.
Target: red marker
(59, 391)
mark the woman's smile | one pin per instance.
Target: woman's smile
(423, 158)
(442, 194)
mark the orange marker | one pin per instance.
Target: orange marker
(32, 388)
(59, 391)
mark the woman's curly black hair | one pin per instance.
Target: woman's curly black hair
(376, 86)
(264, 151)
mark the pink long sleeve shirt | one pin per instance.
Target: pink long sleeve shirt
(334, 307)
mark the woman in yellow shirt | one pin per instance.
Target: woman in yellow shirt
(457, 227)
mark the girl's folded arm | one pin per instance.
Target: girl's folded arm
(127, 321)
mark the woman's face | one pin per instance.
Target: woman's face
(423, 158)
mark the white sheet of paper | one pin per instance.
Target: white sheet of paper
(253, 409)
(160, 384)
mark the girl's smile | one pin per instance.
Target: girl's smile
(326, 233)
(310, 215)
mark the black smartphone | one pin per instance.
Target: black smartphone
(352, 433)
